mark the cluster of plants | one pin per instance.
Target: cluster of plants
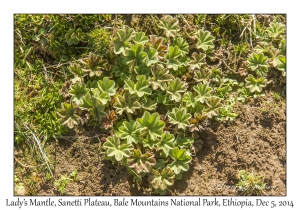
(63, 181)
(147, 91)
(154, 90)
(269, 55)
(61, 36)
(44, 44)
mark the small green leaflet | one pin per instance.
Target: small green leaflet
(68, 116)
(78, 91)
(91, 102)
(102, 97)
(127, 103)
(148, 104)
(135, 55)
(258, 63)
(179, 117)
(190, 100)
(181, 160)
(276, 29)
(141, 162)
(203, 91)
(107, 86)
(122, 42)
(175, 88)
(140, 88)
(152, 56)
(205, 40)
(166, 142)
(182, 45)
(197, 60)
(149, 142)
(170, 25)
(129, 131)
(161, 180)
(172, 57)
(282, 64)
(115, 149)
(213, 105)
(151, 124)
(255, 85)
(140, 38)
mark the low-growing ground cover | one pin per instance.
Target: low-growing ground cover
(150, 104)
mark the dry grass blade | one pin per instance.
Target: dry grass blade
(40, 149)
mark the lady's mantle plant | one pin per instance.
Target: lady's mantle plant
(145, 83)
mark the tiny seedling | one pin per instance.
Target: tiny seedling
(250, 184)
(73, 175)
(61, 184)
